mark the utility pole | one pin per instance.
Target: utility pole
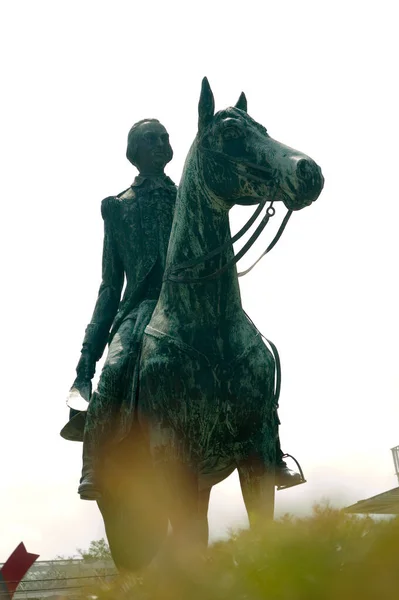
(395, 455)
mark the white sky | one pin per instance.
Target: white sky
(322, 77)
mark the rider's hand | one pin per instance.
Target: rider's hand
(86, 367)
(85, 371)
(80, 388)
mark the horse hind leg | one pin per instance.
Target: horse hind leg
(257, 482)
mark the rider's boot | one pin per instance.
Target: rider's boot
(89, 488)
(285, 477)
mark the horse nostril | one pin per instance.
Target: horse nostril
(309, 175)
(304, 169)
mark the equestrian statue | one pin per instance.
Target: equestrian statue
(189, 389)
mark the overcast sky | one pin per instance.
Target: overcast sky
(322, 77)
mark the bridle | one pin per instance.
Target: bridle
(174, 274)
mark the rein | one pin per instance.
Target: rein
(172, 272)
(271, 245)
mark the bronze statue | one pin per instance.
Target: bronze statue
(178, 408)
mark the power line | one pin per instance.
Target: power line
(63, 578)
(51, 589)
(71, 587)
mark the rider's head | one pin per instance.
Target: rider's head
(148, 147)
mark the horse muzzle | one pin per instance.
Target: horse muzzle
(304, 186)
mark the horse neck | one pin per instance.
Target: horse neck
(200, 225)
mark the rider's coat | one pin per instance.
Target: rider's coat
(137, 226)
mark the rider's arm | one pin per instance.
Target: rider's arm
(109, 294)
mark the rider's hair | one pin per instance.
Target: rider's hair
(133, 139)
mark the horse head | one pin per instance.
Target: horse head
(242, 164)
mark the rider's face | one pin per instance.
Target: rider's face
(154, 150)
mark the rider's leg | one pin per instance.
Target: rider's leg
(89, 488)
(102, 408)
(96, 436)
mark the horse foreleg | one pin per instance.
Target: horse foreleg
(184, 505)
(257, 485)
(187, 505)
(135, 521)
(203, 526)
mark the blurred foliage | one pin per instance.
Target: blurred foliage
(98, 550)
(328, 556)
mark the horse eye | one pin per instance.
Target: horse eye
(232, 133)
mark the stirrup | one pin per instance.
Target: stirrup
(301, 475)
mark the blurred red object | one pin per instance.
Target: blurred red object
(14, 569)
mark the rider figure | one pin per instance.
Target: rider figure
(137, 225)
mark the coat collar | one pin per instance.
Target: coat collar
(148, 184)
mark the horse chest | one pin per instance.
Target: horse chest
(209, 399)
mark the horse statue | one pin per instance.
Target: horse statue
(206, 387)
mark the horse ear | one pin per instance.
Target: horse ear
(242, 102)
(206, 105)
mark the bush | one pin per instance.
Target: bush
(329, 556)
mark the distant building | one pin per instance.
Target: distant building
(386, 503)
(55, 579)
